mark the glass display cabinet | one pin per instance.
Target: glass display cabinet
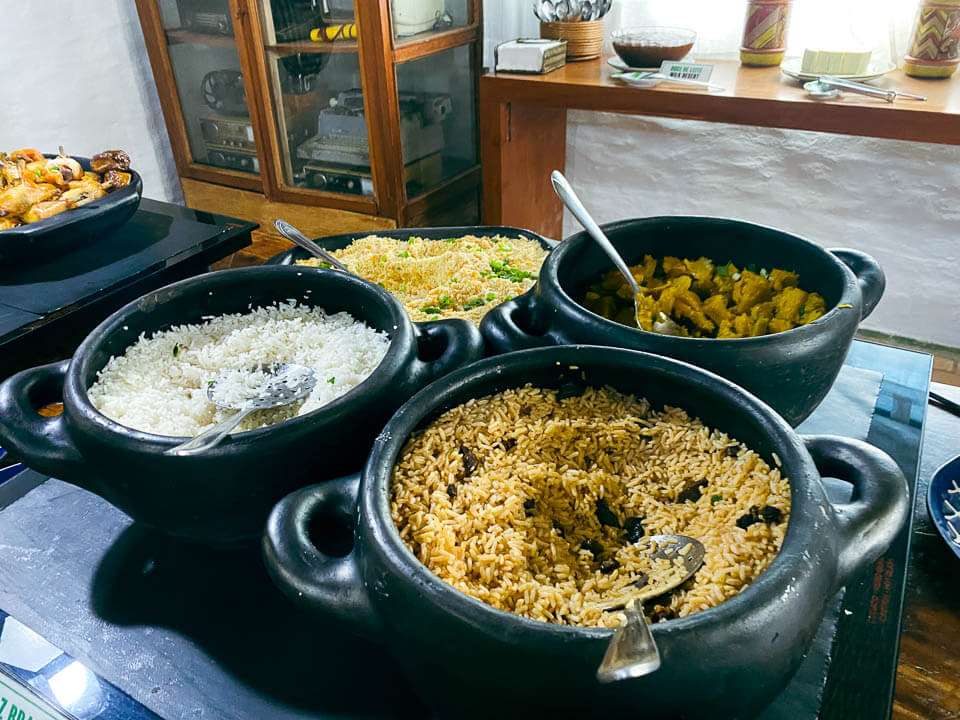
(366, 110)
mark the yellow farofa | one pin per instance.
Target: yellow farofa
(474, 531)
(445, 275)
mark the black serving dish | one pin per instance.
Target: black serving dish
(464, 657)
(225, 494)
(338, 242)
(791, 371)
(73, 227)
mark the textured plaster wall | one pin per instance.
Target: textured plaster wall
(79, 76)
(898, 201)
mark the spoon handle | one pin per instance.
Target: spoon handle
(570, 199)
(632, 651)
(209, 438)
(298, 238)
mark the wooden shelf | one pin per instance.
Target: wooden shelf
(418, 46)
(308, 46)
(753, 96)
(188, 37)
(523, 121)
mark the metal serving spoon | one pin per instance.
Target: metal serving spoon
(632, 651)
(570, 199)
(287, 384)
(298, 238)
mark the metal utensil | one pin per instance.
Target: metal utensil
(570, 199)
(632, 651)
(864, 89)
(587, 9)
(298, 238)
(288, 383)
(547, 12)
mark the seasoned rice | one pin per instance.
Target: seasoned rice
(457, 277)
(503, 496)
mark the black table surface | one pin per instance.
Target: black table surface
(202, 633)
(48, 306)
(158, 237)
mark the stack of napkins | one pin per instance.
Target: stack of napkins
(530, 55)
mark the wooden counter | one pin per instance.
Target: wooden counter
(524, 121)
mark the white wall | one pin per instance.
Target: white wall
(896, 200)
(77, 75)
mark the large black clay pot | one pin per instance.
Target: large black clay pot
(225, 494)
(468, 659)
(791, 371)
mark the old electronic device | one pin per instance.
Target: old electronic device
(416, 16)
(222, 90)
(298, 72)
(342, 129)
(227, 132)
(206, 16)
(293, 19)
(353, 180)
(233, 158)
(336, 10)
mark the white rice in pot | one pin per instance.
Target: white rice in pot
(159, 385)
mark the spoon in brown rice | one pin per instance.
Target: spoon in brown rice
(632, 651)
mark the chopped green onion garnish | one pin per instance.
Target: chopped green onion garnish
(332, 380)
(714, 499)
(476, 302)
(431, 309)
(723, 270)
(404, 254)
(491, 296)
(176, 349)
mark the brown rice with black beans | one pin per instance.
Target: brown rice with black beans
(530, 500)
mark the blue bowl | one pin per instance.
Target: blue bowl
(943, 503)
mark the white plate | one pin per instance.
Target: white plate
(876, 68)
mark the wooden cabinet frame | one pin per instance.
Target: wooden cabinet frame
(379, 53)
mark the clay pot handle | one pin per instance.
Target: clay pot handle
(880, 504)
(303, 571)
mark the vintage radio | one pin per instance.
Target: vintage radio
(234, 158)
(342, 179)
(354, 180)
(228, 132)
(206, 16)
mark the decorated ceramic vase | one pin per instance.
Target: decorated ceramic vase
(935, 46)
(765, 32)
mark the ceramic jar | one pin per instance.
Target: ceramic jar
(765, 32)
(935, 46)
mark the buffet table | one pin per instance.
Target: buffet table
(524, 121)
(49, 304)
(147, 627)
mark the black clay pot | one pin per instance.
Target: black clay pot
(338, 242)
(468, 659)
(225, 494)
(791, 371)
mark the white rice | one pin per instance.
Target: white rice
(159, 384)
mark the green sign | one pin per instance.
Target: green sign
(19, 703)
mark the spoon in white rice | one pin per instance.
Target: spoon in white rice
(632, 651)
(266, 386)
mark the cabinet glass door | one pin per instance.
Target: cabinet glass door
(413, 20)
(206, 70)
(313, 69)
(438, 123)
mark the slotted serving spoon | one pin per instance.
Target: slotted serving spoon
(632, 651)
(288, 383)
(663, 324)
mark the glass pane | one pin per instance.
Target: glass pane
(438, 123)
(320, 117)
(206, 70)
(412, 18)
